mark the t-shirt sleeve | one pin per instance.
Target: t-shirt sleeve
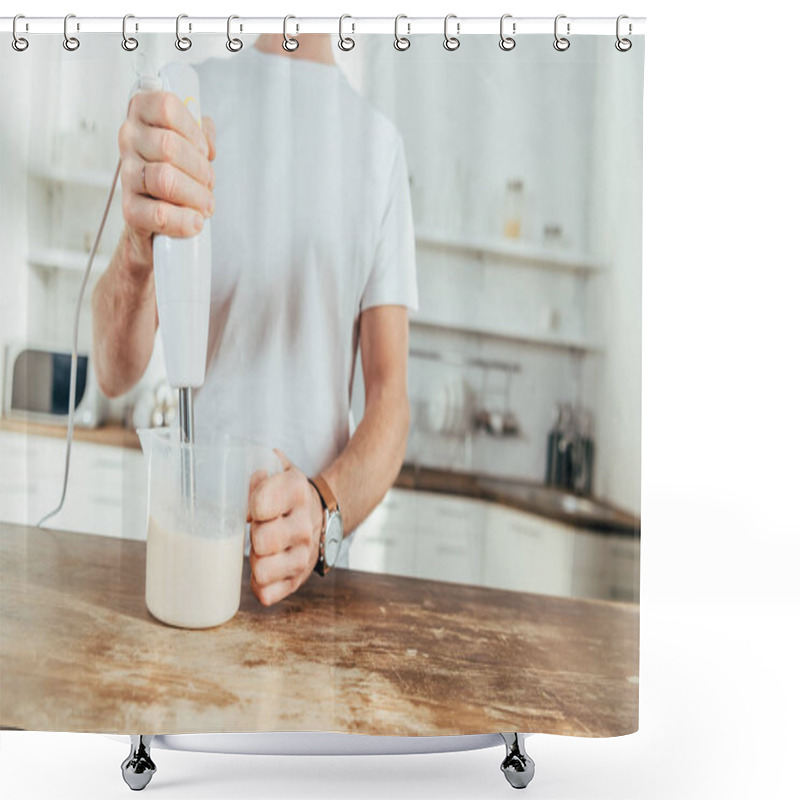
(392, 280)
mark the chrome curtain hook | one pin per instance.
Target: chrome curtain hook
(70, 42)
(623, 45)
(401, 42)
(233, 44)
(346, 43)
(451, 42)
(507, 42)
(561, 43)
(129, 43)
(289, 43)
(19, 43)
(183, 43)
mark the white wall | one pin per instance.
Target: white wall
(614, 379)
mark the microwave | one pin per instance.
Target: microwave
(36, 387)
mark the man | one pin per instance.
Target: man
(312, 257)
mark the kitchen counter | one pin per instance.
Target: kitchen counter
(114, 435)
(535, 498)
(522, 495)
(353, 652)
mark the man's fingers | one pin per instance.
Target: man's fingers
(275, 496)
(284, 566)
(210, 131)
(269, 538)
(165, 110)
(162, 181)
(275, 592)
(164, 145)
(282, 457)
(145, 214)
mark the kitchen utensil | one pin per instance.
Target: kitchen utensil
(182, 269)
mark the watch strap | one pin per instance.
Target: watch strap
(324, 491)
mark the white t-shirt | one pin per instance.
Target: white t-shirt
(312, 225)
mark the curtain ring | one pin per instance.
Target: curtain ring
(451, 43)
(70, 42)
(290, 44)
(233, 44)
(19, 43)
(346, 43)
(561, 43)
(623, 45)
(401, 43)
(129, 43)
(507, 42)
(183, 43)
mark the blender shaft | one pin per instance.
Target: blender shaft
(186, 422)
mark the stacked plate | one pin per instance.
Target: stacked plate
(450, 407)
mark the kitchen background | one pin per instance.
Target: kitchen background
(529, 267)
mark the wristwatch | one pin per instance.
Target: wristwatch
(332, 532)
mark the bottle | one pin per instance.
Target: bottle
(513, 216)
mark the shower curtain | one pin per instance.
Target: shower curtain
(409, 504)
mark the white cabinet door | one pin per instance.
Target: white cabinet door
(385, 541)
(624, 556)
(592, 567)
(450, 534)
(527, 553)
(106, 492)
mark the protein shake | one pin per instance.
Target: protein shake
(193, 580)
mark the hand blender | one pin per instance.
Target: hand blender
(182, 269)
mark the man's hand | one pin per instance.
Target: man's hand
(285, 515)
(167, 178)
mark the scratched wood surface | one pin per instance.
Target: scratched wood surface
(353, 652)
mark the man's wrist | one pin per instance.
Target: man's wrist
(317, 511)
(137, 257)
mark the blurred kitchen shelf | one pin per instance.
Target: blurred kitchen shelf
(513, 250)
(69, 260)
(95, 178)
(541, 340)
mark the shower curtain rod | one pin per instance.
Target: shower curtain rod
(407, 26)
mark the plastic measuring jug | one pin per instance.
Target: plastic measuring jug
(195, 550)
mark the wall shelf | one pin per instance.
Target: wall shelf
(511, 250)
(540, 340)
(68, 260)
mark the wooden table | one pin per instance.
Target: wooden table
(353, 652)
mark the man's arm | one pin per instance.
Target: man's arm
(369, 465)
(124, 318)
(285, 510)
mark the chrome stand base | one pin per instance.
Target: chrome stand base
(138, 768)
(517, 766)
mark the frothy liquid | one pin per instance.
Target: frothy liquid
(192, 581)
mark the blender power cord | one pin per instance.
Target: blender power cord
(73, 368)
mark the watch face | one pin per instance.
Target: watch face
(333, 538)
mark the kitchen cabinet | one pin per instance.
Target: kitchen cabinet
(606, 566)
(624, 554)
(527, 553)
(464, 540)
(385, 541)
(106, 493)
(422, 535)
(592, 567)
(449, 538)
